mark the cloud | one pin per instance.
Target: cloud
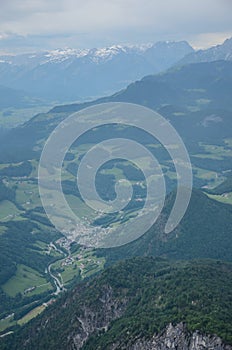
(92, 21)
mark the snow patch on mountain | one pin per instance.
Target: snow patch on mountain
(96, 55)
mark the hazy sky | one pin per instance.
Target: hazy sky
(40, 24)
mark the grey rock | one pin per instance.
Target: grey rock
(179, 338)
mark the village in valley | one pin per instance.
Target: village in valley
(78, 262)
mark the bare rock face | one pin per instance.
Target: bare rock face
(173, 337)
(178, 338)
(91, 321)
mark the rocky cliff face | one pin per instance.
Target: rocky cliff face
(91, 320)
(178, 338)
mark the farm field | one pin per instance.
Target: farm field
(26, 278)
(223, 198)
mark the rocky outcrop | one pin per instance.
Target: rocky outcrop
(178, 338)
(90, 321)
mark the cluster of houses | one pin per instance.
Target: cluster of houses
(68, 261)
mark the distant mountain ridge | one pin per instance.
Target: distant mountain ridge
(215, 53)
(71, 74)
(65, 75)
(96, 54)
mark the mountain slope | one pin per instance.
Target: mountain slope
(204, 232)
(195, 98)
(134, 301)
(184, 86)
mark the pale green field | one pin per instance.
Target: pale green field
(224, 198)
(69, 273)
(2, 166)
(217, 151)
(8, 210)
(24, 278)
(212, 177)
(32, 314)
(41, 245)
(208, 156)
(34, 165)
(118, 173)
(27, 195)
(46, 250)
(206, 174)
(91, 263)
(7, 322)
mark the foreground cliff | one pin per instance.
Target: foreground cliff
(178, 338)
(140, 304)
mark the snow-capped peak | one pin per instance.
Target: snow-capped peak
(68, 55)
(65, 54)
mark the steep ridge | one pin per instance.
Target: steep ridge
(139, 304)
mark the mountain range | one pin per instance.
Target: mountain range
(74, 74)
(71, 74)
